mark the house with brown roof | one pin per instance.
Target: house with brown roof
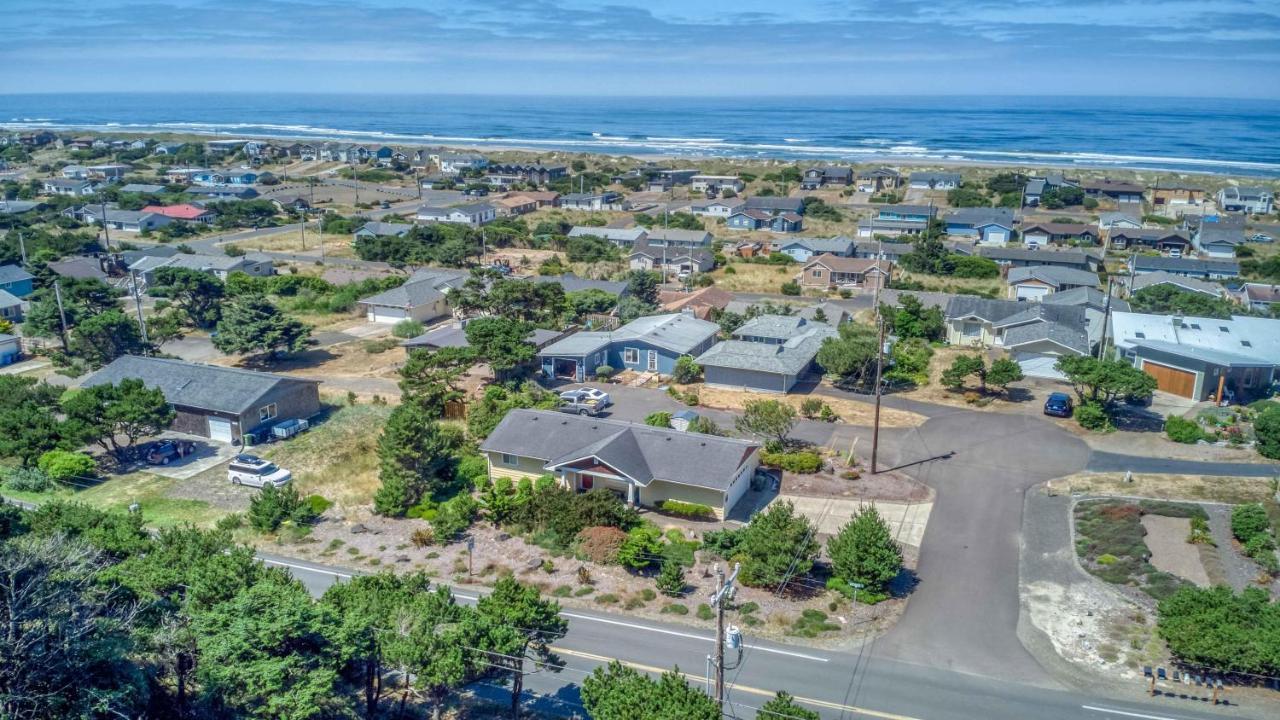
(1117, 190)
(1172, 194)
(700, 302)
(1261, 297)
(830, 272)
(1056, 233)
(544, 198)
(512, 205)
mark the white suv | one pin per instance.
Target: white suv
(253, 471)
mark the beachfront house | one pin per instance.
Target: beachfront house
(989, 226)
(474, 214)
(934, 181)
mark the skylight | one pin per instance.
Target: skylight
(1246, 343)
(1140, 335)
(1224, 328)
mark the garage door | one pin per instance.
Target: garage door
(386, 314)
(1039, 365)
(220, 429)
(1171, 379)
(1032, 292)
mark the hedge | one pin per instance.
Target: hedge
(689, 510)
(1181, 430)
(796, 462)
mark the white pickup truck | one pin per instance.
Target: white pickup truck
(584, 401)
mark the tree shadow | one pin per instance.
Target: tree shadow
(294, 361)
(904, 584)
(1019, 395)
(1136, 418)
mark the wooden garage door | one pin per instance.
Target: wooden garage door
(1170, 379)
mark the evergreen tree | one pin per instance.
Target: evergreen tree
(671, 578)
(784, 707)
(252, 325)
(864, 551)
(416, 456)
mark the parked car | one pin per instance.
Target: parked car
(584, 401)
(1058, 405)
(588, 393)
(385, 205)
(166, 451)
(1261, 238)
(253, 471)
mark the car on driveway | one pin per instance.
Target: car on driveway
(253, 471)
(1058, 405)
(1261, 238)
(584, 401)
(588, 393)
(167, 451)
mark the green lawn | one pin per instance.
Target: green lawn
(147, 490)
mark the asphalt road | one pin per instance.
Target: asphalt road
(857, 684)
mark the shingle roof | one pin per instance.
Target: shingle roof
(1043, 257)
(678, 332)
(978, 217)
(572, 283)
(8, 299)
(1068, 336)
(627, 235)
(679, 235)
(1055, 275)
(774, 203)
(13, 273)
(453, 336)
(641, 452)
(847, 264)
(1086, 297)
(1160, 277)
(1172, 264)
(207, 387)
(771, 326)
(790, 357)
(385, 229)
(1007, 312)
(839, 245)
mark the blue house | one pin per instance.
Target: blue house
(801, 249)
(989, 226)
(908, 213)
(647, 344)
(16, 281)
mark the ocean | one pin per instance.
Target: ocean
(1240, 137)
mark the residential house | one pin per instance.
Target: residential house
(1251, 200)
(80, 143)
(374, 229)
(544, 198)
(10, 349)
(934, 180)
(424, 296)
(474, 214)
(454, 335)
(132, 221)
(513, 205)
(829, 272)
(878, 180)
(67, 186)
(1097, 305)
(184, 174)
(1176, 195)
(1259, 297)
(622, 237)
(1219, 238)
(897, 220)
(12, 307)
(1119, 220)
(291, 204)
(1060, 234)
(750, 219)
(220, 266)
(111, 172)
(701, 302)
(221, 403)
(826, 176)
(1201, 358)
(1187, 267)
(183, 211)
(223, 192)
(989, 226)
(79, 267)
(238, 176)
(75, 172)
(37, 139)
(1036, 281)
(1036, 187)
(648, 344)
(1182, 282)
(1169, 242)
(17, 207)
(223, 147)
(890, 251)
(456, 163)
(257, 150)
(1020, 257)
(508, 173)
(678, 238)
(681, 176)
(716, 208)
(680, 260)
(775, 205)
(801, 249)
(716, 184)
(167, 148)
(644, 465)
(572, 283)
(1120, 191)
(595, 202)
(1035, 334)
(769, 353)
(142, 188)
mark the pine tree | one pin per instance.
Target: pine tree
(864, 551)
(671, 578)
(784, 707)
(416, 456)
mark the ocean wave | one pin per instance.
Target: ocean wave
(794, 140)
(659, 138)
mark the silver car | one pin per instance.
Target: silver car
(253, 471)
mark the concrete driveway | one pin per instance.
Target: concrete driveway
(907, 521)
(208, 455)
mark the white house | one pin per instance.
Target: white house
(475, 214)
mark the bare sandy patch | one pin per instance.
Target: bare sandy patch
(1170, 552)
(850, 411)
(1210, 488)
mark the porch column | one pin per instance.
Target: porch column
(631, 494)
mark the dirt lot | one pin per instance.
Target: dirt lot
(1019, 393)
(1208, 488)
(751, 277)
(851, 412)
(292, 241)
(1170, 552)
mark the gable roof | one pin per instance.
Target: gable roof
(1055, 228)
(640, 452)
(839, 245)
(207, 387)
(1160, 277)
(774, 203)
(1055, 275)
(679, 235)
(1072, 337)
(677, 332)
(848, 264)
(1172, 264)
(456, 336)
(383, 229)
(979, 217)
(627, 235)
(1041, 256)
(1088, 297)
(1009, 312)
(13, 273)
(573, 283)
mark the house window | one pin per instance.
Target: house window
(509, 460)
(972, 329)
(630, 356)
(267, 413)
(817, 273)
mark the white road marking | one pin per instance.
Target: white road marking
(690, 636)
(308, 568)
(1126, 713)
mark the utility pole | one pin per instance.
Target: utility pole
(304, 229)
(22, 245)
(724, 592)
(875, 427)
(106, 231)
(1106, 315)
(62, 314)
(137, 302)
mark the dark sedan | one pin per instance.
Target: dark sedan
(1058, 405)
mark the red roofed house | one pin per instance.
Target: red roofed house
(184, 211)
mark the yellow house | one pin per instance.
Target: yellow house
(644, 465)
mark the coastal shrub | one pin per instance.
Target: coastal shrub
(704, 612)
(686, 370)
(600, 544)
(1182, 430)
(1248, 521)
(674, 609)
(790, 287)
(559, 514)
(1217, 628)
(1092, 416)
(810, 407)
(670, 579)
(803, 462)
(272, 506)
(453, 517)
(1266, 430)
(659, 419)
(641, 548)
(27, 479)
(407, 329)
(604, 372)
(472, 470)
(723, 543)
(64, 465)
(686, 509)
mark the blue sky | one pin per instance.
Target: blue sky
(659, 47)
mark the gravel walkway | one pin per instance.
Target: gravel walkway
(1170, 551)
(1240, 571)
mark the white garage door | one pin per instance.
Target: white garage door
(997, 236)
(386, 314)
(220, 429)
(1032, 292)
(1039, 365)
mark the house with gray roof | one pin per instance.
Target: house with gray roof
(1034, 334)
(1168, 242)
(12, 307)
(770, 353)
(679, 260)
(1182, 282)
(1253, 200)
(648, 344)
(17, 281)
(375, 229)
(622, 237)
(678, 238)
(989, 226)
(125, 220)
(454, 335)
(1034, 282)
(1219, 239)
(645, 465)
(17, 207)
(1202, 358)
(934, 180)
(775, 205)
(221, 403)
(423, 297)
(802, 249)
(1022, 257)
(220, 266)
(573, 283)
(1186, 267)
(142, 188)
